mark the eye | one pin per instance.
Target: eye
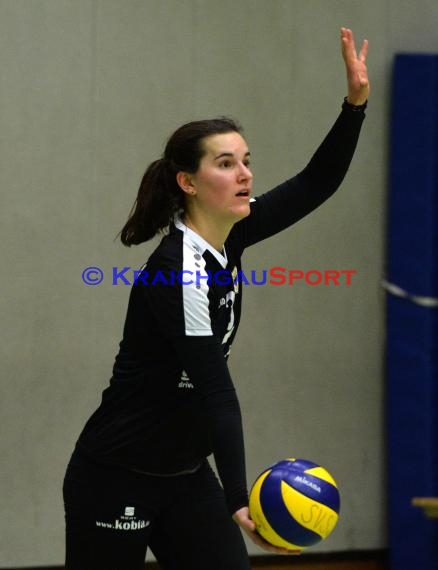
(225, 164)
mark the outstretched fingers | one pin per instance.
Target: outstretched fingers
(357, 74)
(364, 51)
(348, 45)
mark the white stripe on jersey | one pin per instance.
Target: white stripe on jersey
(195, 296)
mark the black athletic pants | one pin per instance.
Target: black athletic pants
(113, 515)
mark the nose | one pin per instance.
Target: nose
(244, 172)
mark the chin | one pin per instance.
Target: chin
(242, 213)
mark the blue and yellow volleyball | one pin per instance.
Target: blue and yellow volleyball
(294, 504)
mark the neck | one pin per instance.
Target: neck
(215, 234)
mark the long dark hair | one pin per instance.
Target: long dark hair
(159, 197)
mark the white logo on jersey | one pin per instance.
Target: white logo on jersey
(185, 381)
(235, 280)
(230, 303)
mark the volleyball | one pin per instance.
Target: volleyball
(295, 504)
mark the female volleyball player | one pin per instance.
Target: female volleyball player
(139, 476)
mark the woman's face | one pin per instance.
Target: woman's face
(222, 185)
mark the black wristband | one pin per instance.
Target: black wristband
(347, 105)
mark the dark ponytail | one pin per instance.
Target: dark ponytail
(159, 197)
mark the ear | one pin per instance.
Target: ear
(185, 182)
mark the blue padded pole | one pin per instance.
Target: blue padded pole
(412, 312)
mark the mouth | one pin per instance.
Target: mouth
(244, 193)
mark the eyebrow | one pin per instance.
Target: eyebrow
(229, 154)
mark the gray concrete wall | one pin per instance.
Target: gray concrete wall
(90, 90)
